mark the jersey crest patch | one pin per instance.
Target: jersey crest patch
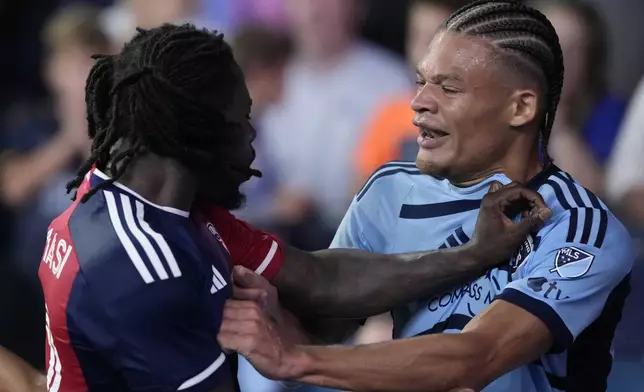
(522, 254)
(572, 262)
(214, 232)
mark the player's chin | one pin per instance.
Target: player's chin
(229, 198)
(431, 162)
(232, 201)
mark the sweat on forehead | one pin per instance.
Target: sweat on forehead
(476, 60)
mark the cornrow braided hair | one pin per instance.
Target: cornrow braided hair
(528, 37)
(164, 93)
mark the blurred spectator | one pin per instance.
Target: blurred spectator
(20, 63)
(331, 85)
(44, 147)
(625, 190)
(390, 134)
(262, 54)
(266, 12)
(588, 117)
(121, 20)
(625, 179)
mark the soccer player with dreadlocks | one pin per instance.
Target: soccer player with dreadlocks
(136, 272)
(488, 88)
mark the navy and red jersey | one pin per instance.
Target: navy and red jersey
(135, 291)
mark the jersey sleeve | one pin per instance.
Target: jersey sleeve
(574, 276)
(353, 230)
(249, 247)
(372, 213)
(157, 336)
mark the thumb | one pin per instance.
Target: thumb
(246, 278)
(495, 186)
(246, 294)
(533, 222)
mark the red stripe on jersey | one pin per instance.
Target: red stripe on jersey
(57, 272)
(249, 247)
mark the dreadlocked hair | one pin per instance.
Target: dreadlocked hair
(164, 93)
(528, 39)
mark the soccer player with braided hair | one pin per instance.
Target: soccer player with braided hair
(488, 88)
(137, 271)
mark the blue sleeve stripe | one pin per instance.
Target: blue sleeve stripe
(572, 188)
(603, 218)
(594, 200)
(561, 334)
(388, 169)
(572, 226)
(603, 224)
(561, 198)
(588, 223)
(451, 240)
(575, 226)
(462, 236)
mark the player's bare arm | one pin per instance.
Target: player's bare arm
(499, 339)
(17, 376)
(355, 283)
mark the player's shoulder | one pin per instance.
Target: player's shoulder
(123, 244)
(215, 214)
(391, 181)
(581, 222)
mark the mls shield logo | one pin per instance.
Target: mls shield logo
(572, 262)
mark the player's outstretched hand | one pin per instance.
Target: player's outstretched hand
(249, 286)
(498, 233)
(249, 330)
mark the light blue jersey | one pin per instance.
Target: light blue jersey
(573, 274)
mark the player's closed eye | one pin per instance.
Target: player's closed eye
(449, 89)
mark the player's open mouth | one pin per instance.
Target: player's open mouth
(431, 138)
(428, 133)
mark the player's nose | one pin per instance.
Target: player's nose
(424, 101)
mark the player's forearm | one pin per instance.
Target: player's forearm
(431, 363)
(17, 376)
(351, 283)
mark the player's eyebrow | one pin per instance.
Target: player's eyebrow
(439, 78)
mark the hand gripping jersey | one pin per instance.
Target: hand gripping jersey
(134, 292)
(572, 274)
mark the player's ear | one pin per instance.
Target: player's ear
(524, 107)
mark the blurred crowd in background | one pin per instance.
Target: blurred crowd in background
(331, 82)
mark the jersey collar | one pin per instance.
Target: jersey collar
(99, 176)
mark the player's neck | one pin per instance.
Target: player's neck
(161, 181)
(515, 166)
